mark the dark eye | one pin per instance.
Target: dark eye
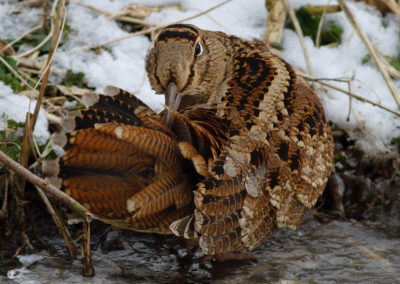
(198, 49)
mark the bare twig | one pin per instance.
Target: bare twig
(371, 50)
(320, 81)
(60, 225)
(301, 37)
(86, 255)
(154, 28)
(45, 186)
(3, 212)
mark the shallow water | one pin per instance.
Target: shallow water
(339, 251)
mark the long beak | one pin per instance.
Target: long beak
(172, 100)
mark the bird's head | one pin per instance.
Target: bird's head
(185, 61)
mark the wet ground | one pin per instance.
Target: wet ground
(329, 251)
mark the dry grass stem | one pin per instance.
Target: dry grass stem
(393, 6)
(371, 49)
(321, 9)
(118, 18)
(301, 37)
(15, 73)
(321, 82)
(276, 20)
(35, 64)
(59, 25)
(43, 42)
(321, 22)
(99, 45)
(29, 3)
(392, 71)
(21, 37)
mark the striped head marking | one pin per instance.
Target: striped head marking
(187, 57)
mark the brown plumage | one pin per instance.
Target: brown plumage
(243, 149)
(278, 151)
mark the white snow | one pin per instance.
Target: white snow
(15, 107)
(15, 20)
(122, 63)
(27, 260)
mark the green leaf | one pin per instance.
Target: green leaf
(8, 78)
(309, 24)
(331, 34)
(12, 148)
(76, 79)
(396, 141)
(366, 59)
(395, 63)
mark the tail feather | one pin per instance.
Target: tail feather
(212, 245)
(218, 205)
(185, 227)
(210, 225)
(152, 142)
(159, 194)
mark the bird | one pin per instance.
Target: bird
(242, 149)
(278, 152)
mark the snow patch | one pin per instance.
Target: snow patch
(15, 107)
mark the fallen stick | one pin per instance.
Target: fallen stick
(45, 186)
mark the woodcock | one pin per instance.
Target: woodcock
(243, 147)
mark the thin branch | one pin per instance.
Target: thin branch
(154, 28)
(320, 81)
(371, 50)
(60, 225)
(45, 186)
(301, 37)
(3, 211)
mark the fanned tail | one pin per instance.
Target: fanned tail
(117, 163)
